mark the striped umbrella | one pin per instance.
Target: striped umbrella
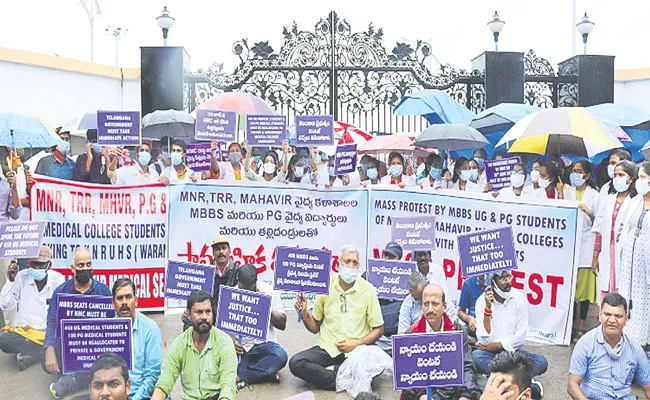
(239, 102)
(567, 130)
(348, 134)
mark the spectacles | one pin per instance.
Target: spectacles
(344, 303)
(86, 264)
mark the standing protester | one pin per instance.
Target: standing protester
(92, 166)
(615, 157)
(139, 173)
(231, 170)
(23, 179)
(397, 172)
(534, 174)
(271, 170)
(480, 155)
(349, 316)
(517, 188)
(178, 171)
(432, 175)
(550, 183)
(58, 164)
(464, 178)
(82, 283)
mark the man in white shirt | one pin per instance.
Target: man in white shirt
(261, 361)
(501, 325)
(138, 174)
(178, 171)
(29, 290)
(435, 275)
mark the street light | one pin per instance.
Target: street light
(496, 26)
(118, 33)
(165, 23)
(584, 27)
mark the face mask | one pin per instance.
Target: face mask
(435, 173)
(474, 175)
(38, 274)
(480, 162)
(517, 180)
(165, 155)
(177, 158)
(144, 157)
(372, 173)
(349, 275)
(83, 276)
(323, 157)
(465, 175)
(330, 171)
(641, 186)
(543, 183)
(620, 184)
(504, 295)
(268, 168)
(235, 158)
(364, 167)
(299, 172)
(96, 148)
(610, 171)
(63, 148)
(396, 170)
(534, 176)
(576, 179)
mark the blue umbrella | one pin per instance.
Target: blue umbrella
(22, 131)
(501, 117)
(436, 106)
(630, 124)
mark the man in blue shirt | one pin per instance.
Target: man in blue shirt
(605, 360)
(473, 288)
(82, 283)
(146, 340)
(57, 164)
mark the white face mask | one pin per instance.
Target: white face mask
(517, 180)
(543, 183)
(268, 168)
(534, 176)
(610, 171)
(504, 295)
(642, 186)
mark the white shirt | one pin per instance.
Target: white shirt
(276, 305)
(227, 172)
(508, 193)
(32, 304)
(407, 180)
(509, 321)
(173, 176)
(132, 175)
(469, 186)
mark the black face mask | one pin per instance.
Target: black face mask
(83, 276)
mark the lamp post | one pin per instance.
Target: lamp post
(117, 33)
(496, 26)
(584, 27)
(165, 23)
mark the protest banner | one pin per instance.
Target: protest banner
(183, 278)
(265, 130)
(415, 233)
(215, 125)
(21, 239)
(118, 128)
(428, 360)
(243, 313)
(498, 172)
(545, 235)
(198, 156)
(390, 278)
(302, 270)
(124, 227)
(345, 160)
(314, 130)
(487, 251)
(84, 341)
(79, 306)
(258, 218)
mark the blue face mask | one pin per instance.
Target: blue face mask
(372, 173)
(396, 170)
(466, 175)
(576, 179)
(299, 172)
(349, 275)
(177, 158)
(435, 173)
(235, 158)
(330, 171)
(323, 157)
(165, 155)
(620, 184)
(364, 167)
(474, 175)
(38, 274)
(144, 157)
(96, 148)
(480, 162)
(63, 148)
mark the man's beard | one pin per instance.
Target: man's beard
(202, 327)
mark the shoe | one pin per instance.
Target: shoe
(241, 385)
(64, 386)
(20, 359)
(537, 389)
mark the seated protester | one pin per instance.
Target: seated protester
(432, 176)
(411, 309)
(518, 187)
(30, 291)
(138, 174)
(348, 317)
(58, 164)
(502, 323)
(397, 172)
(178, 171)
(435, 274)
(231, 170)
(606, 360)
(472, 289)
(91, 166)
(270, 171)
(510, 378)
(465, 177)
(261, 361)
(203, 356)
(82, 283)
(434, 319)
(109, 378)
(146, 340)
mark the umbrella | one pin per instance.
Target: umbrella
(451, 137)
(240, 102)
(171, 123)
(387, 144)
(501, 117)
(436, 106)
(348, 134)
(566, 130)
(631, 125)
(22, 131)
(81, 124)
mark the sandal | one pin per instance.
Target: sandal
(581, 333)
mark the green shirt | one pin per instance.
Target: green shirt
(203, 375)
(346, 315)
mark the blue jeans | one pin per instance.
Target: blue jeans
(482, 361)
(261, 363)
